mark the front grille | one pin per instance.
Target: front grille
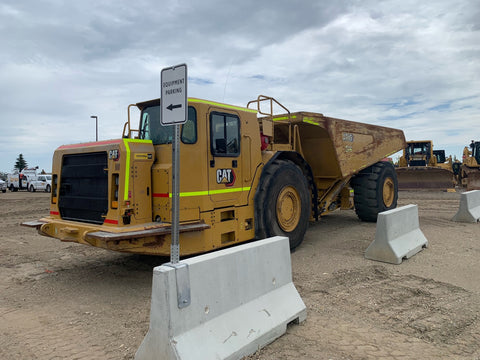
(84, 187)
(418, 163)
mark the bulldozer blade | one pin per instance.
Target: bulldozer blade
(424, 178)
(472, 178)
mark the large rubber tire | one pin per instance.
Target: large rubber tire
(283, 203)
(31, 188)
(47, 189)
(375, 190)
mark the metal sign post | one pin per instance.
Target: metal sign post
(175, 247)
(174, 112)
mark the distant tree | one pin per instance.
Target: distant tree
(20, 164)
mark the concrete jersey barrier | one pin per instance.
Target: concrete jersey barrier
(469, 209)
(397, 235)
(241, 299)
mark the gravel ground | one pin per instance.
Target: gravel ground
(70, 301)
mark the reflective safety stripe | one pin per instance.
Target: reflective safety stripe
(284, 118)
(127, 170)
(204, 193)
(192, 193)
(225, 106)
(127, 163)
(309, 120)
(212, 192)
(109, 221)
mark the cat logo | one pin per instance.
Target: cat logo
(226, 176)
(114, 155)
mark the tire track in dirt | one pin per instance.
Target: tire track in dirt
(435, 312)
(16, 211)
(39, 338)
(75, 327)
(372, 313)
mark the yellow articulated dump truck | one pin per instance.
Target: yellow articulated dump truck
(470, 168)
(245, 173)
(422, 168)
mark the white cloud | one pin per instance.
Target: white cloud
(405, 64)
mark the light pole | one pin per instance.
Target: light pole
(96, 126)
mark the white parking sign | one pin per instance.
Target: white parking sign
(173, 81)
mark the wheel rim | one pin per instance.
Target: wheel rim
(288, 208)
(388, 192)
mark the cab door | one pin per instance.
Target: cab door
(42, 183)
(225, 160)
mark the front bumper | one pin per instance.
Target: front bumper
(149, 238)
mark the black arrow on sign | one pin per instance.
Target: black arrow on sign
(171, 106)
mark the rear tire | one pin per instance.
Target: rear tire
(283, 203)
(375, 190)
(31, 188)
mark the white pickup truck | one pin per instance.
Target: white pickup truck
(30, 180)
(41, 182)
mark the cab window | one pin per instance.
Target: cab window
(152, 129)
(224, 134)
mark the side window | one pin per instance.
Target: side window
(145, 128)
(189, 129)
(225, 134)
(151, 129)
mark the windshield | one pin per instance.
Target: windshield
(152, 129)
(476, 151)
(418, 149)
(440, 155)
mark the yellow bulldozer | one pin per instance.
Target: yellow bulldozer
(245, 173)
(469, 172)
(422, 168)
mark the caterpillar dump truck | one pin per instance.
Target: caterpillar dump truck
(422, 168)
(470, 168)
(245, 173)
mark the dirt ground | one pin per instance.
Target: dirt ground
(69, 301)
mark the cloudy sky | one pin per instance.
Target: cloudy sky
(406, 64)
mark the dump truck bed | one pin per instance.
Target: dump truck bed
(337, 148)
